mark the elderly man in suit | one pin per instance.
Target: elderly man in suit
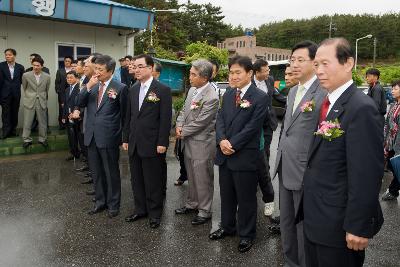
(195, 126)
(146, 136)
(10, 92)
(297, 135)
(105, 100)
(36, 84)
(238, 132)
(344, 168)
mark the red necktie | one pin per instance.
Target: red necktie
(324, 109)
(100, 94)
(238, 99)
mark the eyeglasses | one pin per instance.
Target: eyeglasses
(141, 66)
(300, 60)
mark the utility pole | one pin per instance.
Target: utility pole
(331, 27)
(373, 64)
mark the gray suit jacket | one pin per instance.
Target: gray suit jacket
(297, 136)
(198, 125)
(35, 91)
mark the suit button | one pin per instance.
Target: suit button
(308, 167)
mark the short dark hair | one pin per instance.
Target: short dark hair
(35, 55)
(157, 67)
(82, 60)
(106, 60)
(343, 48)
(70, 57)
(12, 50)
(396, 82)
(373, 71)
(309, 45)
(121, 59)
(215, 63)
(148, 59)
(259, 63)
(242, 61)
(128, 57)
(38, 60)
(75, 61)
(72, 72)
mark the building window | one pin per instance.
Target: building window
(251, 43)
(244, 43)
(269, 57)
(237, 44)
(272, 57)
(280, 57)
(70, 49)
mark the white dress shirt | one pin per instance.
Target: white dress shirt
(244, 90)
(261, 85)
(106, 83)
(307, 85)
(334, 96)
(11, 67)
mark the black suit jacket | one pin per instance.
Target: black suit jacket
(7, 85)
(271, 121)
(343, 176)
(70, 100)
(126, 78)
(150, 127)
(377, 93)
(104, 124)
(61, 81)
(242, 128)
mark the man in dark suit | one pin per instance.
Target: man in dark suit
(71, 93)
(238, 132)
(105, 100)
(10, 92)
(376, 91)
(146, 134)
(60, 85)
(344, 170)
(126, 78)
(265, 82)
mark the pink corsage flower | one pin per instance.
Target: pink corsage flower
(245, 103)
(152, 97)
(112, 93)
(195, 105)
(329, 130)
(308, 106)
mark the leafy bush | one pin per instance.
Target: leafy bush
(178, 103)
(357, 79)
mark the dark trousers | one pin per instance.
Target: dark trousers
(104, 164)
(147, 179)
(83, 148)
(183, 172)
(73, 138)
(322, 256)
(60, 111)
(264, 179)
(238, 190)
(394, 186)
(10, 108)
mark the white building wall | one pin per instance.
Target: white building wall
(33, 35)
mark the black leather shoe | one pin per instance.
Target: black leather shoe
(245, 245)
(184, 210)
(45, 144)
(154, 223)
(219, 234)
(96, 210)
(90, 181)
(90, 193)
(113, 213)
(200, 220)
(275, 229)
(135, 217)
(82, 169)
(26, 144)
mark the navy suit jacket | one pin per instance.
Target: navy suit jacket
(149, 127)
(104, 124)
(343, 176)
(7, 85)
(242, 128)
(70, 100)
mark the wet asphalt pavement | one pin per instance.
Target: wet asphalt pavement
(44, 222)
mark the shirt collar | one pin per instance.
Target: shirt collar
(147, 83)
(334, 96)
(308, 83)
(11, 65)
(199, 90)
(106, 83)
(244, 89)
(73, 85)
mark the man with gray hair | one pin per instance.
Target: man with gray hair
(195, 126)
(105, 100)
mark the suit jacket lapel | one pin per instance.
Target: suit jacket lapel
(105, 95)
(307, 97)
(247, 96)
(188, 102)
(145, 102)
(198, 98)
(334, 113)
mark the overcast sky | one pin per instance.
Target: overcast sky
(253, 13)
